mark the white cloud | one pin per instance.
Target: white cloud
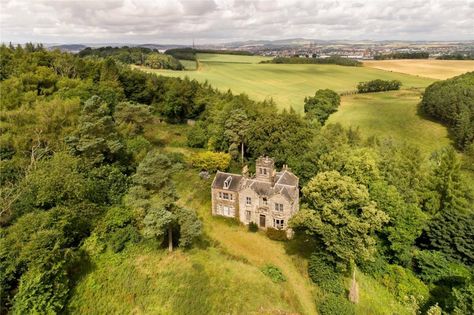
(208, 21)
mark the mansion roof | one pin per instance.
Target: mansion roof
(285, 183)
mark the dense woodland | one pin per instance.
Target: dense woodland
(78, 171)
(333, 60)
(452, 102)
(139, 56)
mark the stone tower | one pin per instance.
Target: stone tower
(264, 170)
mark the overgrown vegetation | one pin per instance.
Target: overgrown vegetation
(89, 178)
(333, 60)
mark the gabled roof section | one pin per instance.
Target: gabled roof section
(233, 180)
(286, 178)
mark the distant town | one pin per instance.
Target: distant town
(360, 50)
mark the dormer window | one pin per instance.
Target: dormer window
(227, 182)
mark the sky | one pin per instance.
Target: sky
(219, 21)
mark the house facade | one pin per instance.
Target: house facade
(269, 198)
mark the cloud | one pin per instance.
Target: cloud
(211, 21)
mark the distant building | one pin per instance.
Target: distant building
(269, 198)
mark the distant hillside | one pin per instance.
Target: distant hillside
(73, 48)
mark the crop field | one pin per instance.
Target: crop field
(436, 69)
(287, 84)
(391, 114)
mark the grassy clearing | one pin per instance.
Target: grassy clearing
(287, 84)
(144, 280)
(436, 69)
(189, 64)
(391, 114)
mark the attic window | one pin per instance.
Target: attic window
(227, 182)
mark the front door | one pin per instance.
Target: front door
(262, 220)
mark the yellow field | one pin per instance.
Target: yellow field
(435, 69)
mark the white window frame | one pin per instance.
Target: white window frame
(225, 196)
(248, 201)
(278, 223)
(265, 201)
(278, 207)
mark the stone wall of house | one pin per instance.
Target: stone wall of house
(220, 204)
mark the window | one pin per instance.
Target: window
(248, 215)
(278, 223)
(264, 201)
(278, 207)
(228, 211)
(227, 182)
(220, 195)
(231, 196)
(261, 170)
(248, 201)
(225, 196)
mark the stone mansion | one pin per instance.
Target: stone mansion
(269, 198)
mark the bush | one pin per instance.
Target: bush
(324, 274)
(276, 235)
(273, 273)
(253, 227)
(321, 105)
(404, 285)
(211, 161)
(335, 305)
(378, 86)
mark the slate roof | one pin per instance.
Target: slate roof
(286, 184)
(221, 177)
(286, 178)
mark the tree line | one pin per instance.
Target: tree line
(403, 55)
(189, 53)
(452, 102)
(334, 60)
(378, 85)
(140, 56)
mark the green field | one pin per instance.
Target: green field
(393, 115)
(287, 84)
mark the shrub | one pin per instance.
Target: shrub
(273, 273)
(404, 285)
(378, 86)
(276, 235)
(336, 304)
(324, 274)
(211, 161)
(253, 227)
(197, 137)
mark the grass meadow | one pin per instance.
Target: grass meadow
(429, 68)
(286, 84)
(391, 115)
